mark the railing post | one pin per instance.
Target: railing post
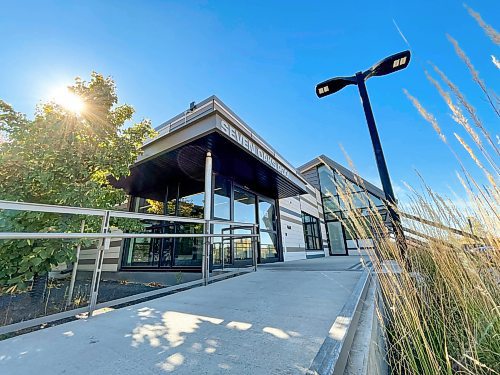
(255, 247)
(207, 244)
(204, 255)
(101, 250)
(222, 250)
(75, 267)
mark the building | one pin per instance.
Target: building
(209, 152)
(327, 177)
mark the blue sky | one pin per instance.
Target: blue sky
(263, 59)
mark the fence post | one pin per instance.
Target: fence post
(205, 264)
(101, 249)
(222, 250)
(75, 266)
(203, 255)
(255, 247)
(208, 244)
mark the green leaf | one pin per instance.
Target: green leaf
(57, 158)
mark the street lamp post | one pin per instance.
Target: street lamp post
(389, 65)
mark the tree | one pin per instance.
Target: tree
(62, 158)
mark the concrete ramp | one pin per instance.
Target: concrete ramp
(272, 321)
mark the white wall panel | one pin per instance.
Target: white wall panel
(292, 234)
(111, 256)
(309, 208)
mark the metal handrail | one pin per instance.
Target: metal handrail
(54, 235)
(105, 235)
(441, 226)
(50, 208)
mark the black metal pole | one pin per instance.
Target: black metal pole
(381, 164)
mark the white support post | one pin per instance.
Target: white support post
(101, 250)
(207, 216)
(75, 267)
(208, 187)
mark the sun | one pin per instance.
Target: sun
(68, 100)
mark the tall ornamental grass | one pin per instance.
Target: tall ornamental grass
(441, 299)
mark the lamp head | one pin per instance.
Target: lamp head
(333, 85)
(389, 65)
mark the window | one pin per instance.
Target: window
(312, 234)
(221, 245)
(148, 206)
(192, 205)
(268, 231)
(222, 198)
(188, 250)
(244, 206)
(268, 246)
(327, 182)
(242, 246)
(267, 215)
(336, 237)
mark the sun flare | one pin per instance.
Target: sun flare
(68, 100)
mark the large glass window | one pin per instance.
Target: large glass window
(268, 231)
(244, 206)
(166, 252)
(331, 208)
(376, 201)
(242, 246)
(149, 252)
(222, 198)
(138, 252)
(340, 195)
(148, 206)
(192, 205)
(268, 246)
(327, 181)
(336, 237)
(188, 251)
(171, 201)
(312, 236)
(267, 215)
(229, 203)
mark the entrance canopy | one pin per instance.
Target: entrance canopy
(176, 157)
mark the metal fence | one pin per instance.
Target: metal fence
(104, 237)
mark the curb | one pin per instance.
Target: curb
(333, 353)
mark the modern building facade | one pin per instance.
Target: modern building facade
(208, 155)
(341, 190)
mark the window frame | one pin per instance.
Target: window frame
(312, 232)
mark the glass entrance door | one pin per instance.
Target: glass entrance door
(234, 203)
(336, 238)
(268, 227)
(245, 211)
(221, 247)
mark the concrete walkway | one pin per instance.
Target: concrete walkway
(269, 322)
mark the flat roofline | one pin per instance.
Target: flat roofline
(225, 111)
